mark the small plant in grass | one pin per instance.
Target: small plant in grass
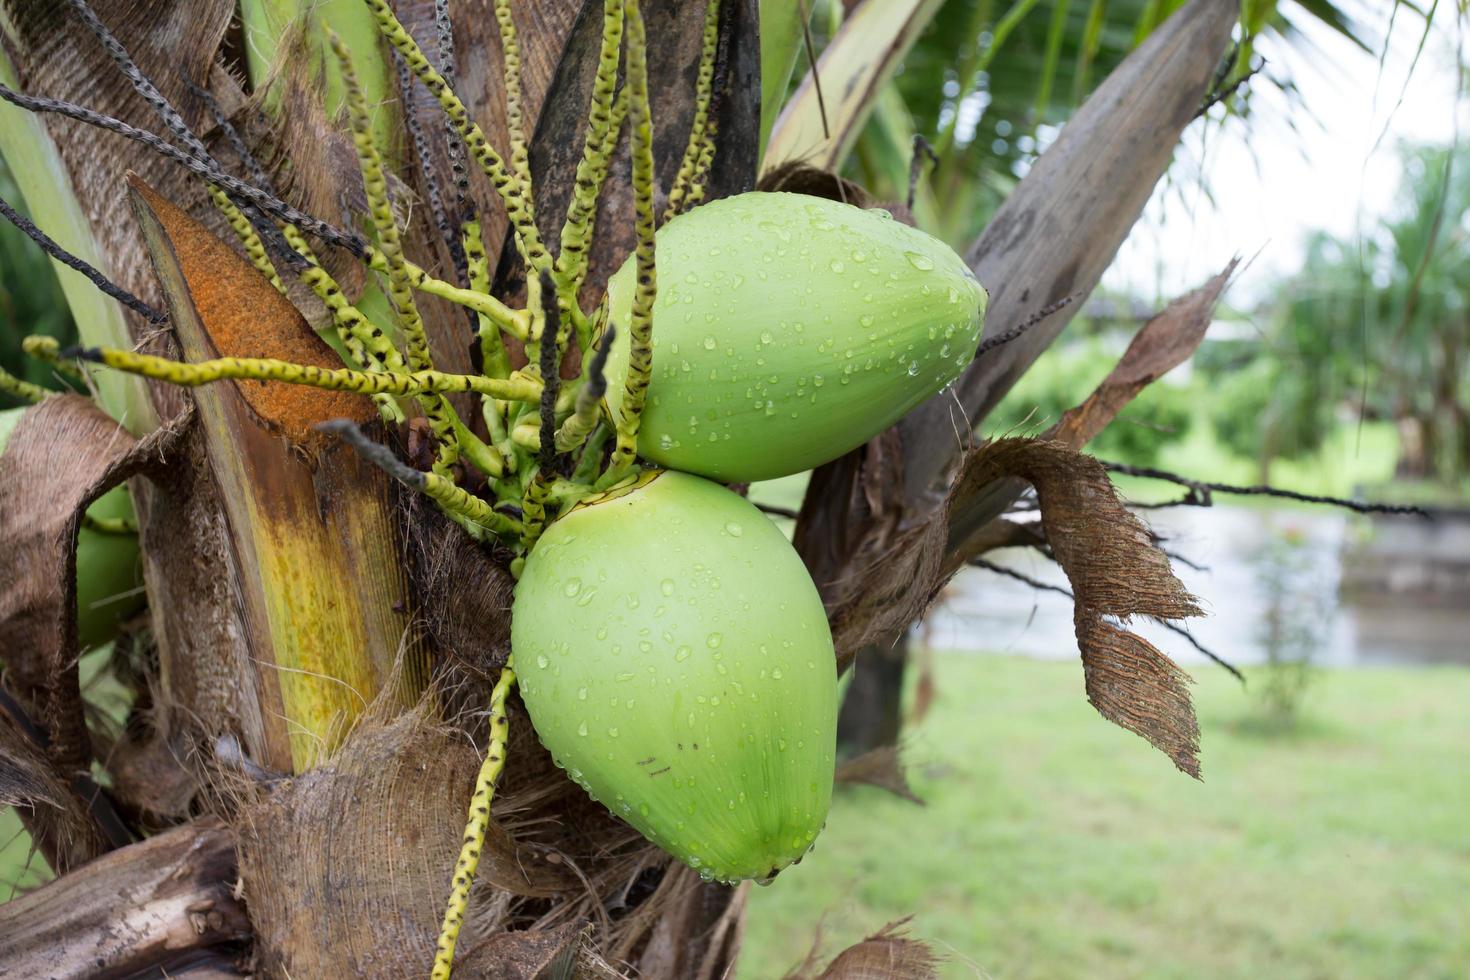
(1294, 627)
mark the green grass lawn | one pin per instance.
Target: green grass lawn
(1055, 845)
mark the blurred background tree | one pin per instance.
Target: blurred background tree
(1376, 329)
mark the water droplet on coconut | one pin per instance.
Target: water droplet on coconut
(920, 262)
(573, 586)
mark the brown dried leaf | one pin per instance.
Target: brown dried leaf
(1162, 344)
(1116, 571)
(520, 955)
(880, 767)
(63, 454)
(54, 55)
(1132, 684)
(57, 818)
(1108, 555)
(887, 954)
(1166, 341)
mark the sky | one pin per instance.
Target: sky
(1269, 186)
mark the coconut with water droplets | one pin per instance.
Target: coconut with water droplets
(790, 329)
(676, 660)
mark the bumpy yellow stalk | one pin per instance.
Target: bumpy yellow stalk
(400, 290)
(640, 327)
(470, 512)
(248, 236)
(474, 831)
(508, 185)
(514, 321)
(493, 359)
(700, 134)
(587, 410)
(364, 340)
(20, 388)
(702, 167)
(516, 388)
(375, 184)
(510, 46)
(597, 148)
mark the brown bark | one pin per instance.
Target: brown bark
(166, 904)
(872, 710)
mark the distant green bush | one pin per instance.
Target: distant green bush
(1064, 376)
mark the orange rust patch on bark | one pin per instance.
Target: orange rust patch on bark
(246, 317)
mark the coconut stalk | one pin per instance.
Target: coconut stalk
(320, 573)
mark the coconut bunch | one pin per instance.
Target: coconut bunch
(670, 648)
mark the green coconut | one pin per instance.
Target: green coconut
(675, 659)
(790, 329)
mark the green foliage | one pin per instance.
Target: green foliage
(31, 300)
(1263, 411)
(1052, 845)
(990, 82)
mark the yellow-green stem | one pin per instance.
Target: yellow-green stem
(475, 827)
(516, 388)
(640, 327)
(699, 131)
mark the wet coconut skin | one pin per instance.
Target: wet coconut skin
(676, 660)
(789, 330)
